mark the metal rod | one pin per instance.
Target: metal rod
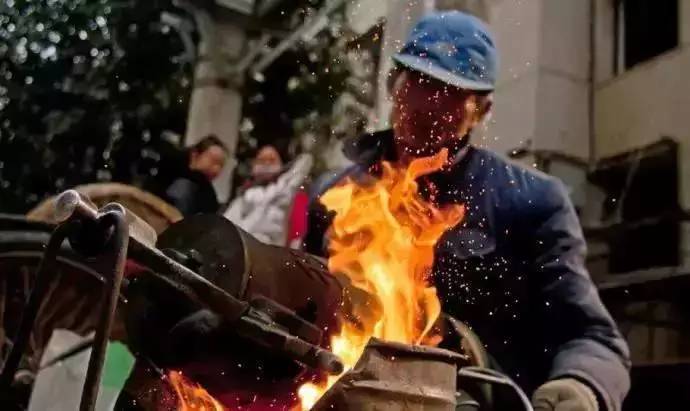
(70, 204)
(117, 248)
(192, 284)
(267, 335)
(234, 311)
(495, 377)
(41, 282)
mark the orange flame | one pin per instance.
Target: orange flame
(192, 397)
(383, 239)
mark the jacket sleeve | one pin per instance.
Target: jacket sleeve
(586, 340)
(318, 221)
(182, 193)
(236, 210)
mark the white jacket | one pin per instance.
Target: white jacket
(263, 211)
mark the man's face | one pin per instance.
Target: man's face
(429, 115)
(209, 162)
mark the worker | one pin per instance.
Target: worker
(514, 267)
(191, 191)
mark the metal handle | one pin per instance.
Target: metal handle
(117, 251)
(494, 377)
(70, 204)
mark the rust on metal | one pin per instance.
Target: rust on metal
(153, 210)
(249, 269)
(397, 377)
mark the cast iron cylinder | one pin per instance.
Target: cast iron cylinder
(248, 269)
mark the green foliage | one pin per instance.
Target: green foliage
(298, 92)
(87, 89)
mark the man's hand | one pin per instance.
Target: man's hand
(564, 395)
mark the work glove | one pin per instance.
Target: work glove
(565, 394)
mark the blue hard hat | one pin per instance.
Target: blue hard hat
(453, 47)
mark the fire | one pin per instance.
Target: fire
(383, 239)
(192, 397)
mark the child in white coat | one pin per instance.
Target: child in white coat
(264, 208)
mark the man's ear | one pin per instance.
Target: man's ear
(476, 108)
(393, 75)
(481, 106)
(485, 104)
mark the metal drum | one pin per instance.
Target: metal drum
(397, 377)
(247, 268)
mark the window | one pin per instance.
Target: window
(642, 207)
(645, 29)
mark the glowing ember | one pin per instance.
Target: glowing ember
(383, 238)
(192, 397)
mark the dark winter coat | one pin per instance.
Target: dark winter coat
(514, 271)
(192, 193)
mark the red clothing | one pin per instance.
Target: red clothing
(297, 222)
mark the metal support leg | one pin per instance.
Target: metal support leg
(41, 284)
(116, 249)
(107, 238)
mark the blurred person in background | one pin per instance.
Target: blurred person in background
(513, 269)
(273, 204)
(191, 191)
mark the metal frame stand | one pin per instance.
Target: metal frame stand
(103, 234)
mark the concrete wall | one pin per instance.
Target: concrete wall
(516, 26)
(542, 95)
(642, 105)
(215, 109)
(605, 41)
(363, 14)
(563, 88)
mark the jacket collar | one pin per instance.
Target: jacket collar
(371, 148)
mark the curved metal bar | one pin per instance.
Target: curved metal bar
(495, 377)
(116, 249)
(38, 291)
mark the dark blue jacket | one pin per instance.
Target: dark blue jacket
(514, 271)
(192, 193)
